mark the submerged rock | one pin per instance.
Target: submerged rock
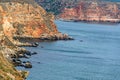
(28, 53)
(35, 44)
(28, 64)
(34, 53)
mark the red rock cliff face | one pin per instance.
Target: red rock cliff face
(25, 19)
(92, 11)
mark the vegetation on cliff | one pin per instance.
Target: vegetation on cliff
(83, 10)
(22, 19)
(56, 6)
(7, 70)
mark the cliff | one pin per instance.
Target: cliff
(83, 10)
(25, 19)
(22, 19)
(57, 6)
(7, 70)
(92, 11)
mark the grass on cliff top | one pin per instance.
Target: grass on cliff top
(7, 70)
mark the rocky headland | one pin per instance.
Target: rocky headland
(23, 19)
(26, 19)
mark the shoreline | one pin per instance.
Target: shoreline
(20, 52)
(32, 23)
(90, 21)
(45, 37)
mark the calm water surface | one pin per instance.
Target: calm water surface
(93, 55)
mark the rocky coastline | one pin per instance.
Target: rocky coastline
(84, 10)
(22, 20)
(23, 53)
(92, 11)
(45, 37)
(91, 21)
(13, 53)
(7, 56)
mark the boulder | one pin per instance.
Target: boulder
(28, 65)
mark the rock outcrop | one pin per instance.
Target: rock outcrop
(7, 70)
(21, 18)
(93, 11)
(83, 10)
(26, 19)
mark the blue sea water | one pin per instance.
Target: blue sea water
(93, 55)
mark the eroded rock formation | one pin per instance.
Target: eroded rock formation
(25, 19)
(92, 11)
(7, 70)
(20, 18)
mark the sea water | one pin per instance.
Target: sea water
(93, 55)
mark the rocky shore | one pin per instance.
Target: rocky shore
(21, 20)
(44, 37)
(91, 21)
(13, 52)
(7, 70)
(22, 53)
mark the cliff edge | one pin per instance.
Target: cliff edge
(22, 18)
